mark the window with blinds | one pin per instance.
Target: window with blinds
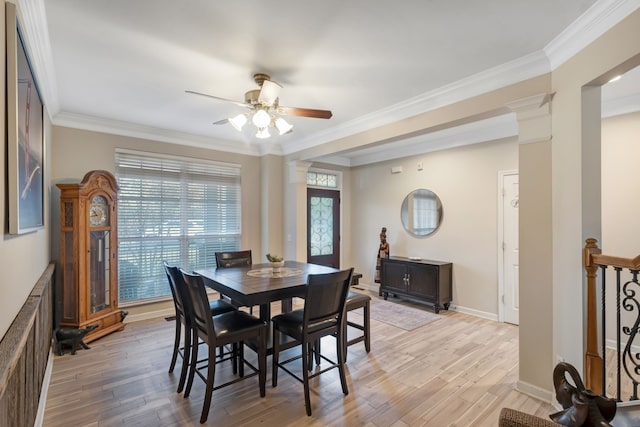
(173, 209)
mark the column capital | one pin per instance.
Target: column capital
(298, 171)
(533, 114)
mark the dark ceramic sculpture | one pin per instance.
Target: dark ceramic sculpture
(582, 407)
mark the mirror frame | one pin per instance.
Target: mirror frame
(404, 212)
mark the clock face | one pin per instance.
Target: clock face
(98, 211)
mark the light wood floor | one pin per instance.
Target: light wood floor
(457, 371)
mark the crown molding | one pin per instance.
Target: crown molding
(598, 19)
(495, 128)
(515, 71)
(97, 124)
(619, 106)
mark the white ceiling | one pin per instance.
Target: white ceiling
(122, 66)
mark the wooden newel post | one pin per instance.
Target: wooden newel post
(592, 361)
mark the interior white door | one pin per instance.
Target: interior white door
(510, 264)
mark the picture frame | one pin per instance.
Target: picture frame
(25, 133)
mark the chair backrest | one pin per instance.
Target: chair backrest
(176, 283)
(326, 296)
(233, 259)
(199, 305)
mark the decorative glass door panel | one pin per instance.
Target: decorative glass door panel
(323, 227)
(99, 271)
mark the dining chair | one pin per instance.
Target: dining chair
(323, 315)
(178, 289)
(233, 327)
(233, 259)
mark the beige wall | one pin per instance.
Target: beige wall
(466, 181)
(23, 258)
(75, 152)
(620, 203)
(620, 200)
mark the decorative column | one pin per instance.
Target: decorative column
(533, 115)
(296, 211)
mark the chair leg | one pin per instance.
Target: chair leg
(305, 379)
(317, 352)
(176, 345)
(186, 360)
(367, 328)
(341, 350)
(193, 363)
(345, 326)
(234, 357)
(241, 359)
(274, 357)
(262, 361)
(313, 351)
(211, 375)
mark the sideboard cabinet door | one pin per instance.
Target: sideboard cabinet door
(423, 281)
(393, 275)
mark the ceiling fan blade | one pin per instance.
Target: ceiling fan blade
(304, 112)
(269, 93)
(242, 104)
(221, 122)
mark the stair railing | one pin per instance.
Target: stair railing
(627, 299)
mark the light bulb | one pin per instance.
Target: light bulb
(263, 133)
(283, 126)
(261, 119)
(238, 121)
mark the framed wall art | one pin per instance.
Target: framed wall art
(25, 134)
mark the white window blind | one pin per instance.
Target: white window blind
(178, 210)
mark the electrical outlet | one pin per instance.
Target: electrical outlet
(420, 166)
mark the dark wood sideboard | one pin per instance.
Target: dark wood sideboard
(424, 280)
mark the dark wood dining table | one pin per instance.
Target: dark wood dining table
(257, 285)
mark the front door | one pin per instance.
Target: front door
(323, 227)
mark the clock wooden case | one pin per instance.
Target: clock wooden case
(89, 254)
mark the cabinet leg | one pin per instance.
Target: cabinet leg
(385, 295)
(436, 308)
(447, 305)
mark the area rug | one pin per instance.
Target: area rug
(400, 315)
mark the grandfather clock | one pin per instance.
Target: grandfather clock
(88, 253)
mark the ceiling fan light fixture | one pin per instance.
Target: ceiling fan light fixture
(238, 121)
(261, 119)
(265, 109)
(283, 126)
(263, 133)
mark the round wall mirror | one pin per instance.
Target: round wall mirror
(421, 212)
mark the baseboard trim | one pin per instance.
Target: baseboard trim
(474, 312)
(535, 391)
(452, 307)
(150, 315)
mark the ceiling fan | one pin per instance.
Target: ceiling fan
(265, 110)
